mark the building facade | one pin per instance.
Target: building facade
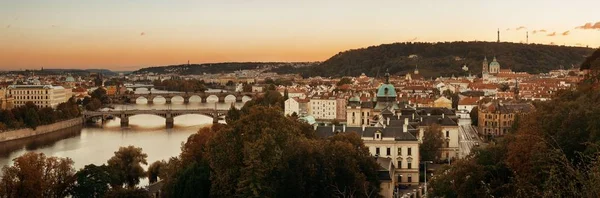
(40, 95)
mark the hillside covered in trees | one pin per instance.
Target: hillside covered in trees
(445, 59)
(212, 68)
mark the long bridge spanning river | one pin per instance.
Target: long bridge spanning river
(203, 97)
(168, 114)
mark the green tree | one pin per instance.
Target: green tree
(126, 165)
(92, 181)
(344, 81)
(433, 140)
(193, 181)
(474, 114)
(154, 171)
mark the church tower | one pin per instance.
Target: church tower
(416, 69)
(484, 69)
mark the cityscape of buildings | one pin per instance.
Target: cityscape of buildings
(391, 114)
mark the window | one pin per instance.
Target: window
(389, 151)
(399, 151)
(447, 133)
(377, 151)
(399, 178)
(399, 163)
(409, 178)
(409, 151)
(409, 165)
(448, 144)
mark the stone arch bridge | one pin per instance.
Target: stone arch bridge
(221, 97)
(168, 114)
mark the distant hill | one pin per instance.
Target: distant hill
(75, 72)
(212, 68)
(445, 59)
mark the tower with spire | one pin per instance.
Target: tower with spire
(498, 35)
(416, 69)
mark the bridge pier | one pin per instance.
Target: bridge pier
(167, 100)
(124, 121)
(204, 99)
(186, 100)
(170, 122)
(215, 120)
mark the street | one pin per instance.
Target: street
(468, 139)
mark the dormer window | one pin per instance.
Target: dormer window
(378, 135)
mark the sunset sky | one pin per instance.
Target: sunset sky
(130, 34)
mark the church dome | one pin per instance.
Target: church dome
(494, 63)
(386, 90)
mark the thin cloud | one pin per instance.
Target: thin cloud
(538, 31)
(413, 39)
(578, 44)
(520, 28)
(143, 33)
(566, 33)
(507, 29)
(8, 26)
(552, 43)
(589, 26)
(552, 34)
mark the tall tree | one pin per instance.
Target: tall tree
(92, 181)
(35, 175)
(127, 165)
(433, 140)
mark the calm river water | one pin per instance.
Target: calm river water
(95, 144)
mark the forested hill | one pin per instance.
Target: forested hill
(446, 59)
(212, 68)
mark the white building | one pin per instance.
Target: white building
(323, 107)
(291, 106)
(40, 95)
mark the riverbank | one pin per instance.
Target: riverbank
(44, 129)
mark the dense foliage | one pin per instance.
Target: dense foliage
(32, 116)
(445, 59)
(433, 140)
(215, 68)
(552, 152)
(180, 85)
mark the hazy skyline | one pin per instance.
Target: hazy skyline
(127, 35)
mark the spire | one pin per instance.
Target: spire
(387, 76)
(498, 35)
(416, 69)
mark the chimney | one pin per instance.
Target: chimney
(333, 128)
(399, 115)
(315, 127)
(388, 121)
(405, 120)
(344, 128)
(413, 116)
(428, 114)
(421, 119)
(443, 116)
(363, 127)
(405, 128)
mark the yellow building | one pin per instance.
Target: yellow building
(40, 95)
(443, 102)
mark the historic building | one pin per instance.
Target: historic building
(40, 95)
(496, 118)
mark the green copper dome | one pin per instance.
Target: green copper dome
(386, 90)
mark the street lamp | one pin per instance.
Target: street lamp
(426, 162)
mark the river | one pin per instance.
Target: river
(96, 143)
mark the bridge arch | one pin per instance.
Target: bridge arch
(195, 98)
(177, 99)
(246, 99)
(159, 99)
(230, 98)
(142, 100)
(212, 98)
